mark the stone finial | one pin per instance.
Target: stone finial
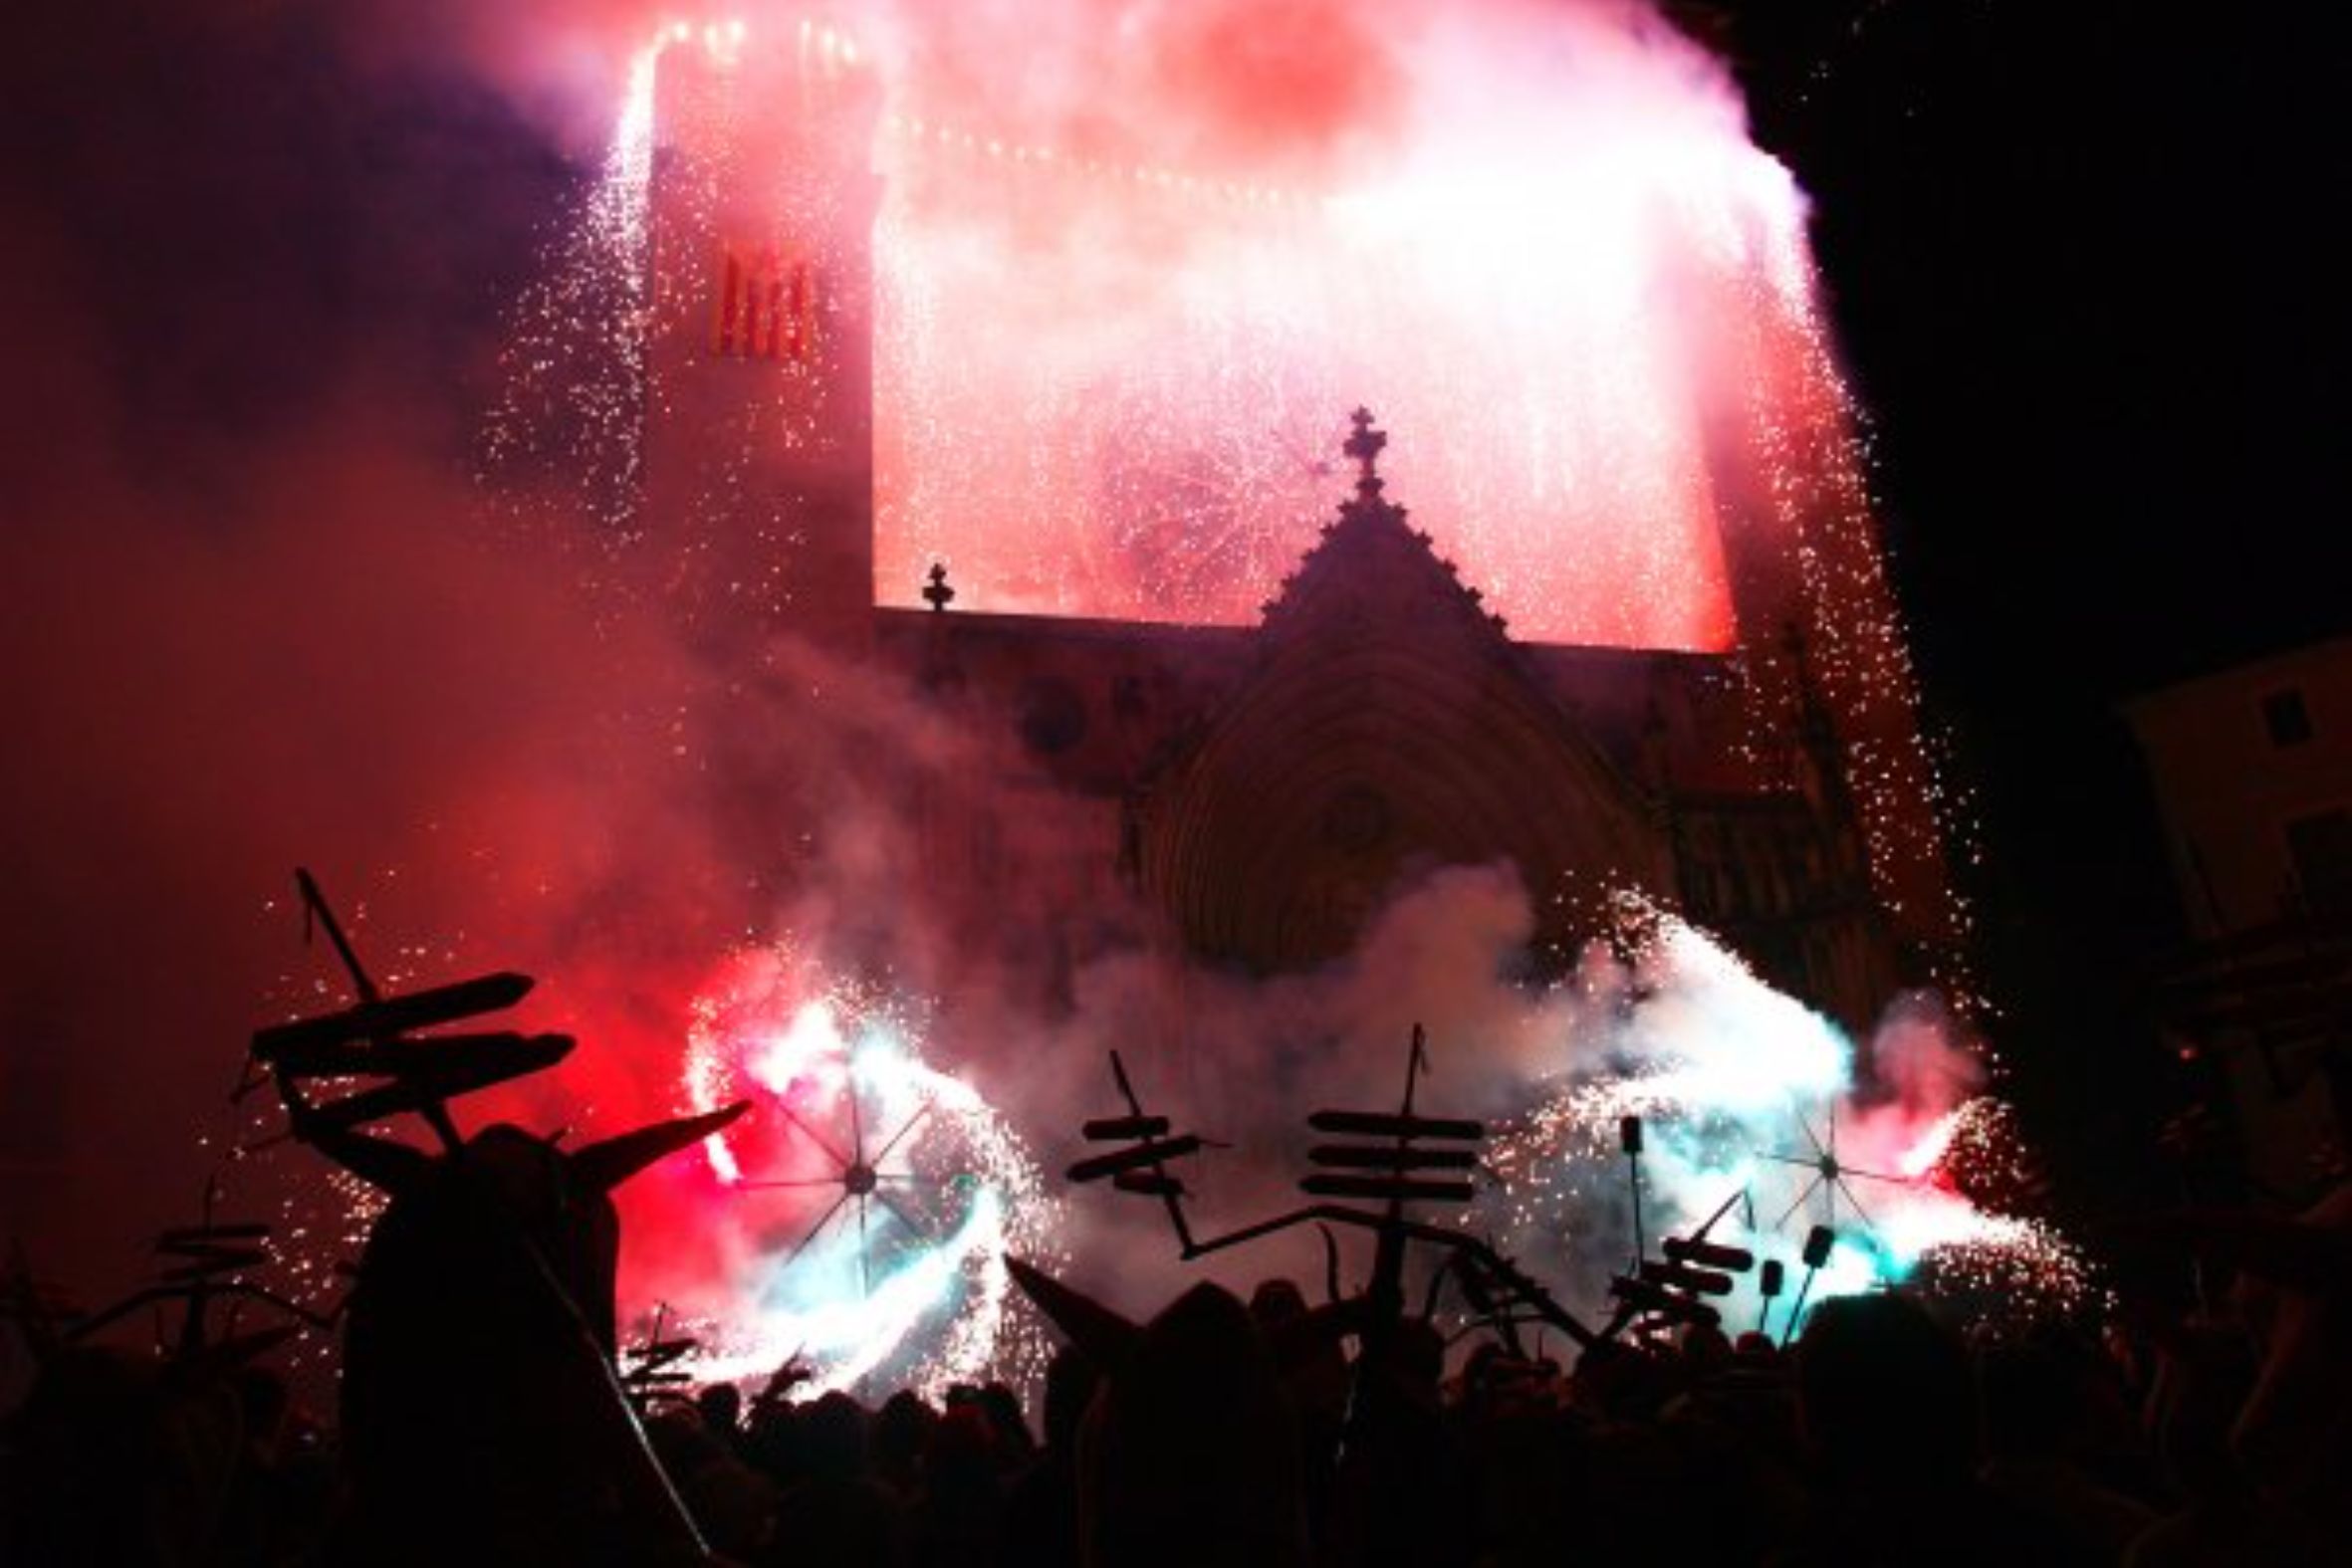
(1364, 446)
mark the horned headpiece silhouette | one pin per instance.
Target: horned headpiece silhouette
(482, 1418)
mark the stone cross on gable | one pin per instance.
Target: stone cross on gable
(1364, 446)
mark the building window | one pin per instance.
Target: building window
(1053, 715)
(765, 306)
(2286, 717)
(2321, 848)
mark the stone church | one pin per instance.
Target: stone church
(1264, 789)
(1257, 791)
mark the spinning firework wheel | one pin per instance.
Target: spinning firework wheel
(875, 1196)
(863, 1174)
(1829, 1175)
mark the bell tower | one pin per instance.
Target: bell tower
(757, 490)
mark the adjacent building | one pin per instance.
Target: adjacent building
(2252, 768)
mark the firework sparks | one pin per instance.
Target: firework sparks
(1076, 353)
(1725, 1071)
(573, 400)
(1499, 313)
(1101, 385)
(873, 1203)
(1098, 386)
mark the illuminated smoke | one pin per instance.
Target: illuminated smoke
(1107, 380)
(1133, 264)
(1166, 458)
(1742, 1093)
(1108, 377)
(1123, 314)
(1120, 306)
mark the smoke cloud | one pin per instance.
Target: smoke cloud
(261, 617)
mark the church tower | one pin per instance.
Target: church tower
(757, 450)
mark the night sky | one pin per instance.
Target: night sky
(2080, 279)
(2076, 262)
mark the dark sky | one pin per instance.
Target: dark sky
(2078, 262)
(2075, 255)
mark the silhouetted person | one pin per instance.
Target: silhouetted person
(1188, 1458)
(1042, 1509)
(1886, 1402)
(1014, 1448)
(2294, 1433)
(2203, 1376)
(2038, 1425)
(279, 1507)
(1400, 1497)
(959, 1520)
(2292, 1437)
(729, 1500)
(836, 1514)
(114, 1459)
(481, 1422)
(772, 1444)
(895, 1441)
(721, 1408)
(1311, 1360)
(1706, 1351)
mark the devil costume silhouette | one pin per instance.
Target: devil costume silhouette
(480, 1416)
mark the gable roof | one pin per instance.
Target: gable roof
(1388, 724)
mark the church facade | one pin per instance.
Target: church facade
(1262, 791)
(1246, 797)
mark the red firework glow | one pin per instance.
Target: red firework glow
(1088, 337)
(1119, 296)
(1126, 275)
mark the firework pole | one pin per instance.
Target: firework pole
(1819, 1241)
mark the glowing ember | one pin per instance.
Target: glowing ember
(871, 1201)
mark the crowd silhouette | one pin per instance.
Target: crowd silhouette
(1225, 1432)
(480, 1416)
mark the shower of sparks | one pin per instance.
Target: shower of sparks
(1111, 424)
(1725, 1071)
(875, 1198)
(563, 435)
(1103, 385)
(1089, 376)
(1813, 493)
